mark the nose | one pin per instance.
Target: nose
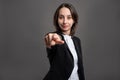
(65, 21)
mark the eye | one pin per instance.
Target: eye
(60, 17)
(69, 17)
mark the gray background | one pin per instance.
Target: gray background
(23, 24)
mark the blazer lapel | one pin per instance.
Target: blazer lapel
(76, 44)
(69, 54)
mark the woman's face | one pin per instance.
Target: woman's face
(65, 20)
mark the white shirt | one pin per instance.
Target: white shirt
(69, 41)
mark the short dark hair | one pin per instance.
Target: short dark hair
(73, 13)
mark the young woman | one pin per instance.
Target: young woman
(63, 48)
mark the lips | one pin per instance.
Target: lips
(64, 26)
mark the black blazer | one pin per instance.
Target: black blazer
(61, 61)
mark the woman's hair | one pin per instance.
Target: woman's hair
(74, 16)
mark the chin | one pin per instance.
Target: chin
(65, 29)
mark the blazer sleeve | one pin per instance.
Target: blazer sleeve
(51, 53)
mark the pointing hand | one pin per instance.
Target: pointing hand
(52, 39)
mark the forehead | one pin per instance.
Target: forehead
(64, 11)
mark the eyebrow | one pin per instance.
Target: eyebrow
(63, 15)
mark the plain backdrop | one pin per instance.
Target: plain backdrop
(23, 24)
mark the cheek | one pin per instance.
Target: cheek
(71, 22)
(59, 21)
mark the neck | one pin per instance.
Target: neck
(66, 33)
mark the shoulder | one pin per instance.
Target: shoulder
(76, 38)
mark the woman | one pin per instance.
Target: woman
(63, 48)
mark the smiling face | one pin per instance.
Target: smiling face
(65, 20)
